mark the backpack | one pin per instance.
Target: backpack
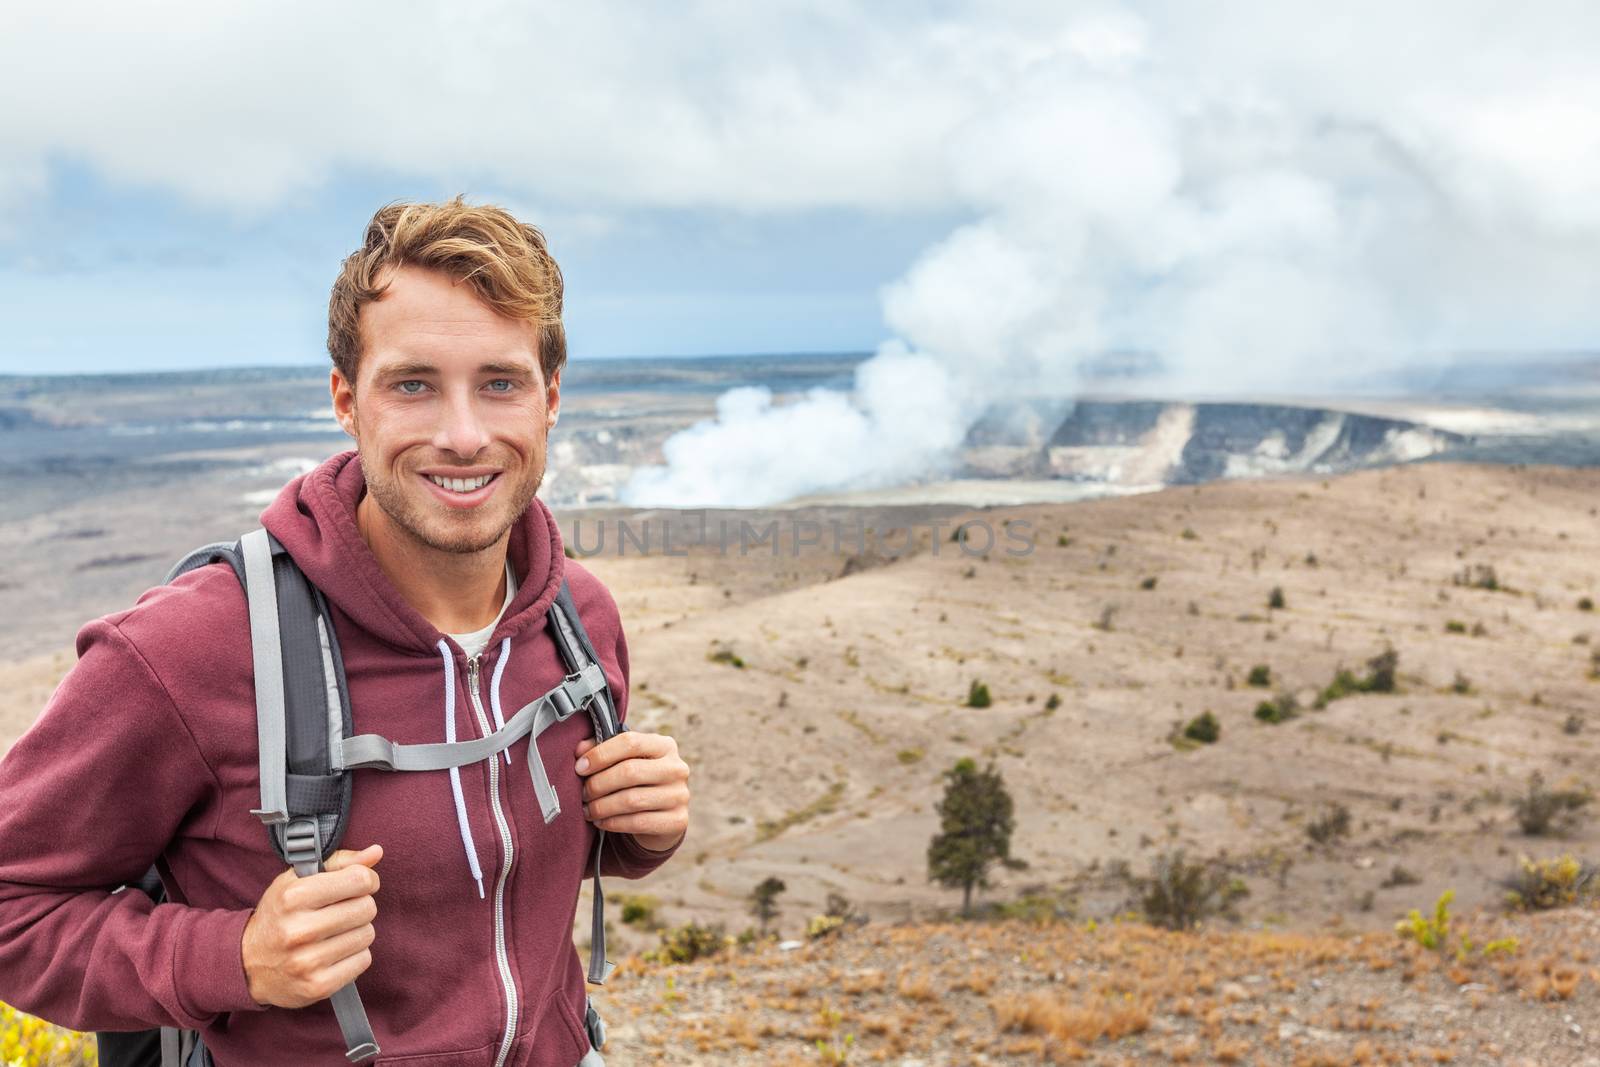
(303, 722)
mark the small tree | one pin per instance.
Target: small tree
(764, 901)
(1383, 665)
(975, 823)
(1204, 728)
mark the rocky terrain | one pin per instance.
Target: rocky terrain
(819, 685)
(820, 707)
(1118, 996)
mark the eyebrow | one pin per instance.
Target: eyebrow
(422, 368)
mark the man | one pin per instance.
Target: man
(438, 563)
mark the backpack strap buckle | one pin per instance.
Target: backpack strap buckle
(302, 845)
(561, 701)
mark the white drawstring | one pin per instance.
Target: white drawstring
(455, 772)
(494, 691)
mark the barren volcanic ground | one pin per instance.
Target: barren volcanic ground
(820, 693)
(819, 709)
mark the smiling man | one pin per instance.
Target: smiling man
(439, 565)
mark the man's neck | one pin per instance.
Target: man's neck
(456, 592)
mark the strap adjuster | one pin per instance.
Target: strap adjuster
(302, 842)
(562, 701)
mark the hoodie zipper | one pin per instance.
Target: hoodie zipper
(502, 956)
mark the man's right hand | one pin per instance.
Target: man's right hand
(309, 937)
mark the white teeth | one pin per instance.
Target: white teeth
(461, 485)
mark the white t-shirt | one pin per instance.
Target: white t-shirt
(474, 643)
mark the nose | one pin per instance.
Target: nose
(461, 429)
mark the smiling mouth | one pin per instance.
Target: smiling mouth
(461, 485)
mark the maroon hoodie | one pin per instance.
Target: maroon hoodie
(148, 749)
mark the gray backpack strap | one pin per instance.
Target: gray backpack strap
(266, 652)
(376, 752)
(171, 1047)
(300, 838)
(217, 551)
(577, 652)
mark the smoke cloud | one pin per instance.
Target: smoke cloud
(1274, 199)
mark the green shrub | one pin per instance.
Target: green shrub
(1430, 932)
(1330, 826)
(1280, 710)
(687, 943)
(908, 756)
(1275, 598)
(1052, 702)
(1455, 626)
(1203, 728)
(1040, 907)
(1540, 885)
(726, 655)
(1381, 668)
(1477, 576)
(1148, 583)
(822, 926)
(978, 695)
(1380, 679)
(1179, 895)
(1260, 676)
(1542, 811)
(638, 909)
(1585, 603)
(1433, 932)
(1399, 876)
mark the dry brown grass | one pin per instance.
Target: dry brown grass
(1085, 1023)
(918, 987)
(1066, 994)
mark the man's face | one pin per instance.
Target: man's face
(450, 412)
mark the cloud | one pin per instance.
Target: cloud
(705, 104)
(1290, 200)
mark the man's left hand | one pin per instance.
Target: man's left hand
(636, 783)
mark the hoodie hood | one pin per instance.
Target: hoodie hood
(314, 518)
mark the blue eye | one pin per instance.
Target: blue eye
(502, 385)
(405, 387)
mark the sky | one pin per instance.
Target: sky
(1288, 196)
(107, 277)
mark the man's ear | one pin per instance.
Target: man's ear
(344, 401)
(552, 400)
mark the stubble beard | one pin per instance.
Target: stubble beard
(414, 521)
